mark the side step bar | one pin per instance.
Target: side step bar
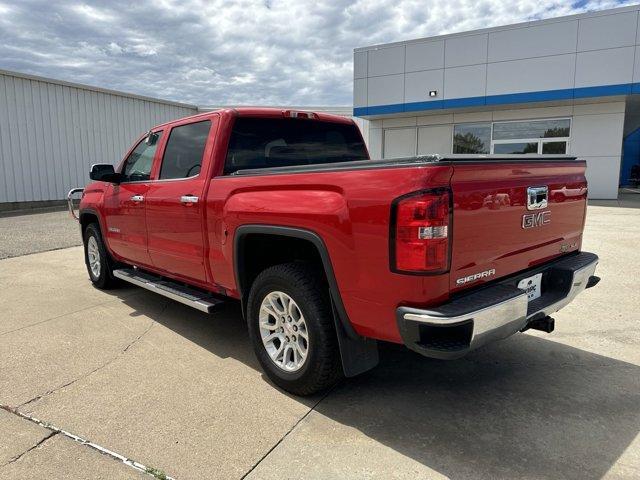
(189, 296)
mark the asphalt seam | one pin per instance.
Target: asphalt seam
(10, 256)
(82, 377)
(20, 455)
(268, 452)
(105, 451)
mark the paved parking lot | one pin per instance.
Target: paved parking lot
(37, 232)
(181, 392)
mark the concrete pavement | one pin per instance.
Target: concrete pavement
(180, 391)
(52, 455)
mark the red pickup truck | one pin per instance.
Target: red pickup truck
(328, 251)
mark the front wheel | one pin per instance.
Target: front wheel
(292, 330)
(96, 257)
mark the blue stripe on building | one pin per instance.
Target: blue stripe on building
(511, 98)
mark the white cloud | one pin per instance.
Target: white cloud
(143, 50)
(92, 13)
(242, 51)
(115, 48)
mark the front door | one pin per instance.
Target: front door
(175, 202)
(124, 205)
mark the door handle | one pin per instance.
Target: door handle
(189, 199)
(137, 198)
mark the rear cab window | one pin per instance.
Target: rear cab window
(280, 142)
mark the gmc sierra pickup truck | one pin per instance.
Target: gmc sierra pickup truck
(328, 251)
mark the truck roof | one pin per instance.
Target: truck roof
(268, 112)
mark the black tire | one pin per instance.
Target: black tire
(104, 280)
(322, 367)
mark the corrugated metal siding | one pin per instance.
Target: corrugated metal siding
(51, 133)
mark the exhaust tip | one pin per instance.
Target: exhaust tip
(593, 281)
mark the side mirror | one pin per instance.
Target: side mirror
(104, 172)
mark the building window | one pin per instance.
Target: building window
(554, 147)
(516, 147)
(472, 138)
(531, 129)
(550, 137)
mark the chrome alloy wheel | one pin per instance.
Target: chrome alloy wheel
(93, 255)
(283, 331)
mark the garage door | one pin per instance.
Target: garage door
(407, 142)
(400, 142)
(435, 139)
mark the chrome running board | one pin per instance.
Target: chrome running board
(197, 299)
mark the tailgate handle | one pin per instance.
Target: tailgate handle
(537, 197)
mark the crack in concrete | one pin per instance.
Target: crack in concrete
(56, 430)
(20, 455)
(104, 365)
(268, 452)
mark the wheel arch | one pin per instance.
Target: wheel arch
(358, 353)
(87, 216)
(244, 277)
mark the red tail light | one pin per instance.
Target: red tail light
(420, 232)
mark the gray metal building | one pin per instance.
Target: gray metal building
(562, 85)
(51, 132)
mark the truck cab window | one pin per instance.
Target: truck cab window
(185, 147)
(279, 142)
(137, 166)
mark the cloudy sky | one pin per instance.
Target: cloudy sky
(266, 52)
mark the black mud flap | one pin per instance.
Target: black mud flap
(358, 354)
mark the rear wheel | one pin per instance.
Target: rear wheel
(292, 330)
(99, 263)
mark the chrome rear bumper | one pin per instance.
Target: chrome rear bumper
(498, 311)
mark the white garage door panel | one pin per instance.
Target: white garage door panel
(435, 139)
(602, 176)
(597, 135)
(399, 142)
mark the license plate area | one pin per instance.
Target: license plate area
(532, 286)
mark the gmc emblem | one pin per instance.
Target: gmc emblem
(531, 220)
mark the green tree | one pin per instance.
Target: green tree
(468, 143)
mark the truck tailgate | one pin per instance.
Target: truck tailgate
(497, 231)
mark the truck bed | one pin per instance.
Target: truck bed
(406, 162)
(348, 205)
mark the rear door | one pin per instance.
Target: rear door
(175, 201)
(510, 215)
(124, 204)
